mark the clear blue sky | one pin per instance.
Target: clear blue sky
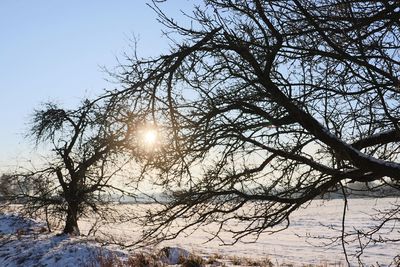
(54, 50)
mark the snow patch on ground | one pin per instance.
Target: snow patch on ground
(12, 223)
(25, 242)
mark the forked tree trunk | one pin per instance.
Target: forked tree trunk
(71, 223)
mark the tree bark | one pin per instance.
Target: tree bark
(71, 223)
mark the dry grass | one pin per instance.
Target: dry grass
(107, 260)
(192, 261)
(110, 259)
(244, 261)
(144, 260)
(136, 260)
(214, 260)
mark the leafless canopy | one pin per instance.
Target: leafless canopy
(268, 105)
(87, 150)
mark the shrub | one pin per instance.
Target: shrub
(144, 260)
(192, 261)
(251, 262)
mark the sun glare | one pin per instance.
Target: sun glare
(150, 137)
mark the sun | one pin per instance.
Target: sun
(150, 137)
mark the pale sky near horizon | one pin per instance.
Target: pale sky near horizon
(54, 51)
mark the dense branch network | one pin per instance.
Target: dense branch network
(263, 106)
(271, 104)
(92, 147)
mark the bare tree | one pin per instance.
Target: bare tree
(269, 105)
(88, 150)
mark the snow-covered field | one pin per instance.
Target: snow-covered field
(291, 246)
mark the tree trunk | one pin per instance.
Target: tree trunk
(71, 223)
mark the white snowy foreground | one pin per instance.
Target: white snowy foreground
(26, 242)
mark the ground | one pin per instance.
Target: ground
(26, 242)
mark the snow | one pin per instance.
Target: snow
(294, 245)
(26, 242)
(11, 223)
(389, 164)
